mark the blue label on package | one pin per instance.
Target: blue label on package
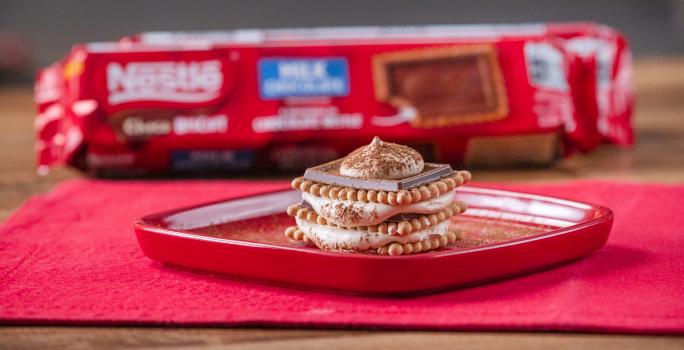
(287, 77)
(201, 160)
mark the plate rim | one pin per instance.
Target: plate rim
(144, 224)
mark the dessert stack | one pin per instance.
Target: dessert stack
(381, 198)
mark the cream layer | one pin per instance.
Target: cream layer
(336, 238)
(354, 213)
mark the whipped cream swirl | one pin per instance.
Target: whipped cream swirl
(382, 160)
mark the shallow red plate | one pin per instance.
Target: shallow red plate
(503, 234)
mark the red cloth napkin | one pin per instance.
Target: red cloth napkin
(70, 256)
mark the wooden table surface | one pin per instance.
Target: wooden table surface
(658, 157)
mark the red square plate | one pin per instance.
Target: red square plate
(503, 234)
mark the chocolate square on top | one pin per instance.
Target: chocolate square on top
(329, 173)
(447, 86)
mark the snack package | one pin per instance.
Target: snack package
(287, 99)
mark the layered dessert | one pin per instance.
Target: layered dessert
(381, 198)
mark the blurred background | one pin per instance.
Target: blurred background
(36, 33)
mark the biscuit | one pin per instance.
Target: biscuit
(446, 85)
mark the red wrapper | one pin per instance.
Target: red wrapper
(288, 99)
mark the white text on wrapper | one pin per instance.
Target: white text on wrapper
(168, 81)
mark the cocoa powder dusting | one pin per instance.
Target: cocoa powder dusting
(342, 212)
(348, 212)
(380, 159)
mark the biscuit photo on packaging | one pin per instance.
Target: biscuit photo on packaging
(381, 198)
(444, 86)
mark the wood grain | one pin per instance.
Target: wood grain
(62, 338)
(658, 156)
